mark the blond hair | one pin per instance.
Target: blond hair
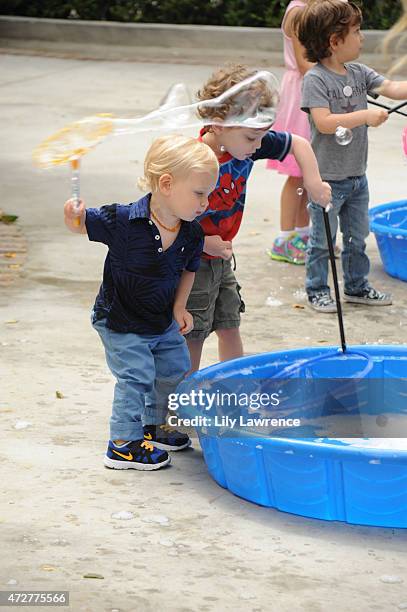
(222, 80)
(396, 39)
(176, 155)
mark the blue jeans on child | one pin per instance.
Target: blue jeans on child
(147, 369)
(350, 200)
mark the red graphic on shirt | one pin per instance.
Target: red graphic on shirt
(227, 193)
(225, 200)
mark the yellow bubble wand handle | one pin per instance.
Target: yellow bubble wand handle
(75, 186)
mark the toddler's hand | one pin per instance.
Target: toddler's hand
(72, 210)
(184, 319)
(215, 246)
(376, 116)
(320, 192)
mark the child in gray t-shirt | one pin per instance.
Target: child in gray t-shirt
(335, 94)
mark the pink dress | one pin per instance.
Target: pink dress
(290, 117)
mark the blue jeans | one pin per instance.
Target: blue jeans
(350, 199)
(147, 369)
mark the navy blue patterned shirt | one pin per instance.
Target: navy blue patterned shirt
(140, 278)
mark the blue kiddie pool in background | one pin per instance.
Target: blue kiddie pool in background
(389, 224)
(357, 480)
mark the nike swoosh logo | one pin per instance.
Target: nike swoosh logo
(129, 457)
(148, 436)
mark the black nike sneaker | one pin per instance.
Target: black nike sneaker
(166, 438)
(136, 455)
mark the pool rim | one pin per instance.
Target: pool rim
(377, 227)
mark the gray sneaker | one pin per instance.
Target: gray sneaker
(370, 297)
(322, 302)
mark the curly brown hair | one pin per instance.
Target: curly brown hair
(316, 24)
(222, 80)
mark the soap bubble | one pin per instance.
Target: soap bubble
(343, 136)
(300, 191)
(252, 103)
(177, 95)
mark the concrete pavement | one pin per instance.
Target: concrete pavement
(190, 545)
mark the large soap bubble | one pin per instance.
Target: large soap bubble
(251, 103)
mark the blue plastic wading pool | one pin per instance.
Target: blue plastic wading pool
(389, 224)
(325, 478)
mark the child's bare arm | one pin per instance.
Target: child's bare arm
(75, 217)
(184, 289)
(181, 315)
(397, 90)
(215, 246)
(327, 122)
(317, 189)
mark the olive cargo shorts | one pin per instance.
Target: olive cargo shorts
(215, 301)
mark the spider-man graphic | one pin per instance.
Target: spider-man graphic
(228, 191)
(226, 201)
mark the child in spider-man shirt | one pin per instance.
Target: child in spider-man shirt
(215, 301)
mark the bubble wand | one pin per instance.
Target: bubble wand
(68, 145)
(334, 274)
(394, 109)
(344, 136)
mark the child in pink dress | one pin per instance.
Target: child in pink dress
(290, 245)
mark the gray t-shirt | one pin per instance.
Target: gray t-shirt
(323, 88)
